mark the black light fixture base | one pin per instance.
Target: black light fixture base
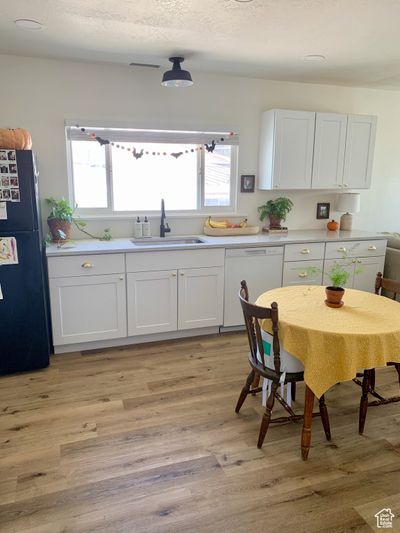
(176, 77)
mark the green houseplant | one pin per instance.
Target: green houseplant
(277, 211)
(60, 221)
(338, 275)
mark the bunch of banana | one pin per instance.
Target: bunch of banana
(223, 224)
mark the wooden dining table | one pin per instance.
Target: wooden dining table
(333, 343)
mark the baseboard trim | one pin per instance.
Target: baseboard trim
(140, 339)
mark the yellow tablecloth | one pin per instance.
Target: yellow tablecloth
(334, 344)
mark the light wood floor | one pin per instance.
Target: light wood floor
(145, 439)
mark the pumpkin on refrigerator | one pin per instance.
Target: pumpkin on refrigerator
(15, 139)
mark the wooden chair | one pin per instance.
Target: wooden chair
(253, 314)
(368, 382)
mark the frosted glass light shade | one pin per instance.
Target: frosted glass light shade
(348, 202)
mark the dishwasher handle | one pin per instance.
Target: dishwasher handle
(253, 252)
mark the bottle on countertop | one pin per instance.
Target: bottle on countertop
(146, 230)
(138, 228)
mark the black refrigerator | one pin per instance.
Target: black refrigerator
(25, 342)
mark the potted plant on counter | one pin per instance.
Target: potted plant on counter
(277, 211)
(60, 221)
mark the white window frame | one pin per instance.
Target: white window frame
(108, 133)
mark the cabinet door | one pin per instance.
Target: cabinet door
(329, 145)
(152, 302)
(349, 266)
(360, 143)
(368, 267)
(294, 142)
(89, 308)
(200, 297)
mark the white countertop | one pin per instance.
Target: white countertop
(93, 246)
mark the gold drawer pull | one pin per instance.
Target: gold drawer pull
(86, 264)
(305, 251)
(303, 274)
(342, 249)
(372, 247)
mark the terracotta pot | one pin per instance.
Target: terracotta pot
(274, 222)
(334, 296)
(56, 225)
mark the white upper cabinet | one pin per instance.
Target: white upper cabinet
(360, 143)
(304, 150)
(329, 149)
(286, 152)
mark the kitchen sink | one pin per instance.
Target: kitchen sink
(167, 241)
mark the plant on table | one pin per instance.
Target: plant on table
(277, 211)
(60, 221)
(338, 275)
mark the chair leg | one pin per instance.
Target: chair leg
(324, 417)
(293, 386)
(372, 379)
(256, 381)
(363, 402)
(267, 415)
(397, 367)
(245, 390)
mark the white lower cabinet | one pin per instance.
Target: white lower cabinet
(88, 308)
(187, 294)
(362, 271)
(200, 297)
(152, 302)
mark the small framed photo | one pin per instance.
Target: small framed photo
(247, 183)
(323, 210)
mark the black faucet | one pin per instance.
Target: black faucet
(164, 228)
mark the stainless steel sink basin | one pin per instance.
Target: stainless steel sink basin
(166, 241)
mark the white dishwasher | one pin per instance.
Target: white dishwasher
(260, 267)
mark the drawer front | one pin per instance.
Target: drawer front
(86, 265)
(302, 273)
(305, 251)
(169, 259)
(336, 250)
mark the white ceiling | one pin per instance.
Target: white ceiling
(261, 38)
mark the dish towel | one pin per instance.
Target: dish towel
(266, 390)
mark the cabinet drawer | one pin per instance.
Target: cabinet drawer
(298, 273)
(305, 251)
(335, 250)
(86, 265)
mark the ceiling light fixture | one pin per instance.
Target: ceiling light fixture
(28, 24)
(314, 57)
(176, 77)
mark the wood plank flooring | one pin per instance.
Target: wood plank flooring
(145, 439)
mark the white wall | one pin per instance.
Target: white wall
(39, 94)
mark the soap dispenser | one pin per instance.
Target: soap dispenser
(138, 228)
(146, 231)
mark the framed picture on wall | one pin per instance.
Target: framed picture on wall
(247, 183)
(323, 210)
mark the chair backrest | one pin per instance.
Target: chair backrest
(387, 284)
(253, 315)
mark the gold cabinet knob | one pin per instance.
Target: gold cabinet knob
(372, 247)
(174, 275)
(303, 274)
(305, 251)
(342, 249)
(87, 264)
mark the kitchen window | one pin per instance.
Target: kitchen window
(108, 179)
